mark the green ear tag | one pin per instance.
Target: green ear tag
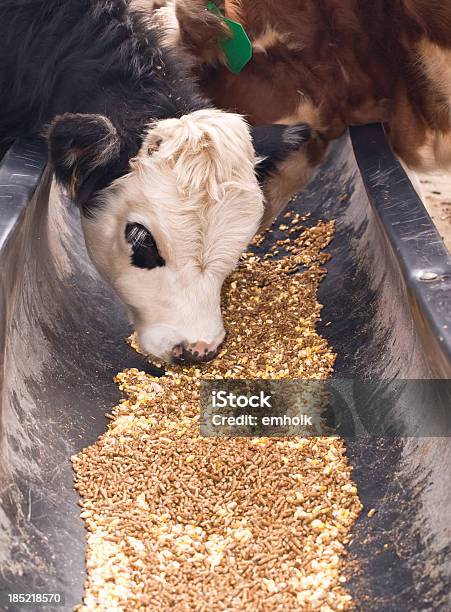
(238, 48)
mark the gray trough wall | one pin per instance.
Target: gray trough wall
(61, 341)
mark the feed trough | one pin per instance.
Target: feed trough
(387, 296)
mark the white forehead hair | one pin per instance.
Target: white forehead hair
(194, 181)
(204, 150)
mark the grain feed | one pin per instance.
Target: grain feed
(176, 521)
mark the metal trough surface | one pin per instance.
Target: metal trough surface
(61, 341)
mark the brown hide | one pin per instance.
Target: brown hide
(333, 63)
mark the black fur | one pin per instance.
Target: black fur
(274, 143)
(86, 56)
(93, 75)
(81, 148)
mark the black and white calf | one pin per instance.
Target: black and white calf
(167, 185)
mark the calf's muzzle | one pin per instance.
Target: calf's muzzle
(191, 354)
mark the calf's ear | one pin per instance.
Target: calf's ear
(274, 144)
(286, 156)
(201, 29)
(80, 144)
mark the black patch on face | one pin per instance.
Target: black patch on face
(145, 252)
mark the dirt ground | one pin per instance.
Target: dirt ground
(437, 195)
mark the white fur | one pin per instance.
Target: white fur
(435, 63)
(193, 186)
(165, 21)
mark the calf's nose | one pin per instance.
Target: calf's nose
(197, 352)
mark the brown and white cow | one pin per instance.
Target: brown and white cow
(332, 63)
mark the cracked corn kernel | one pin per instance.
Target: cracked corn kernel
(181, 522)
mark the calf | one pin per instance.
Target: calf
(167, 185)
(332, 63)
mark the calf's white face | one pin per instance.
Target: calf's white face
(168, 233)
(169, 230)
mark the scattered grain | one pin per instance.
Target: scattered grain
(181, 522)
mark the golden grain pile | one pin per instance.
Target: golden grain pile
(180, 522)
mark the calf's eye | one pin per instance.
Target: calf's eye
(144, 248)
